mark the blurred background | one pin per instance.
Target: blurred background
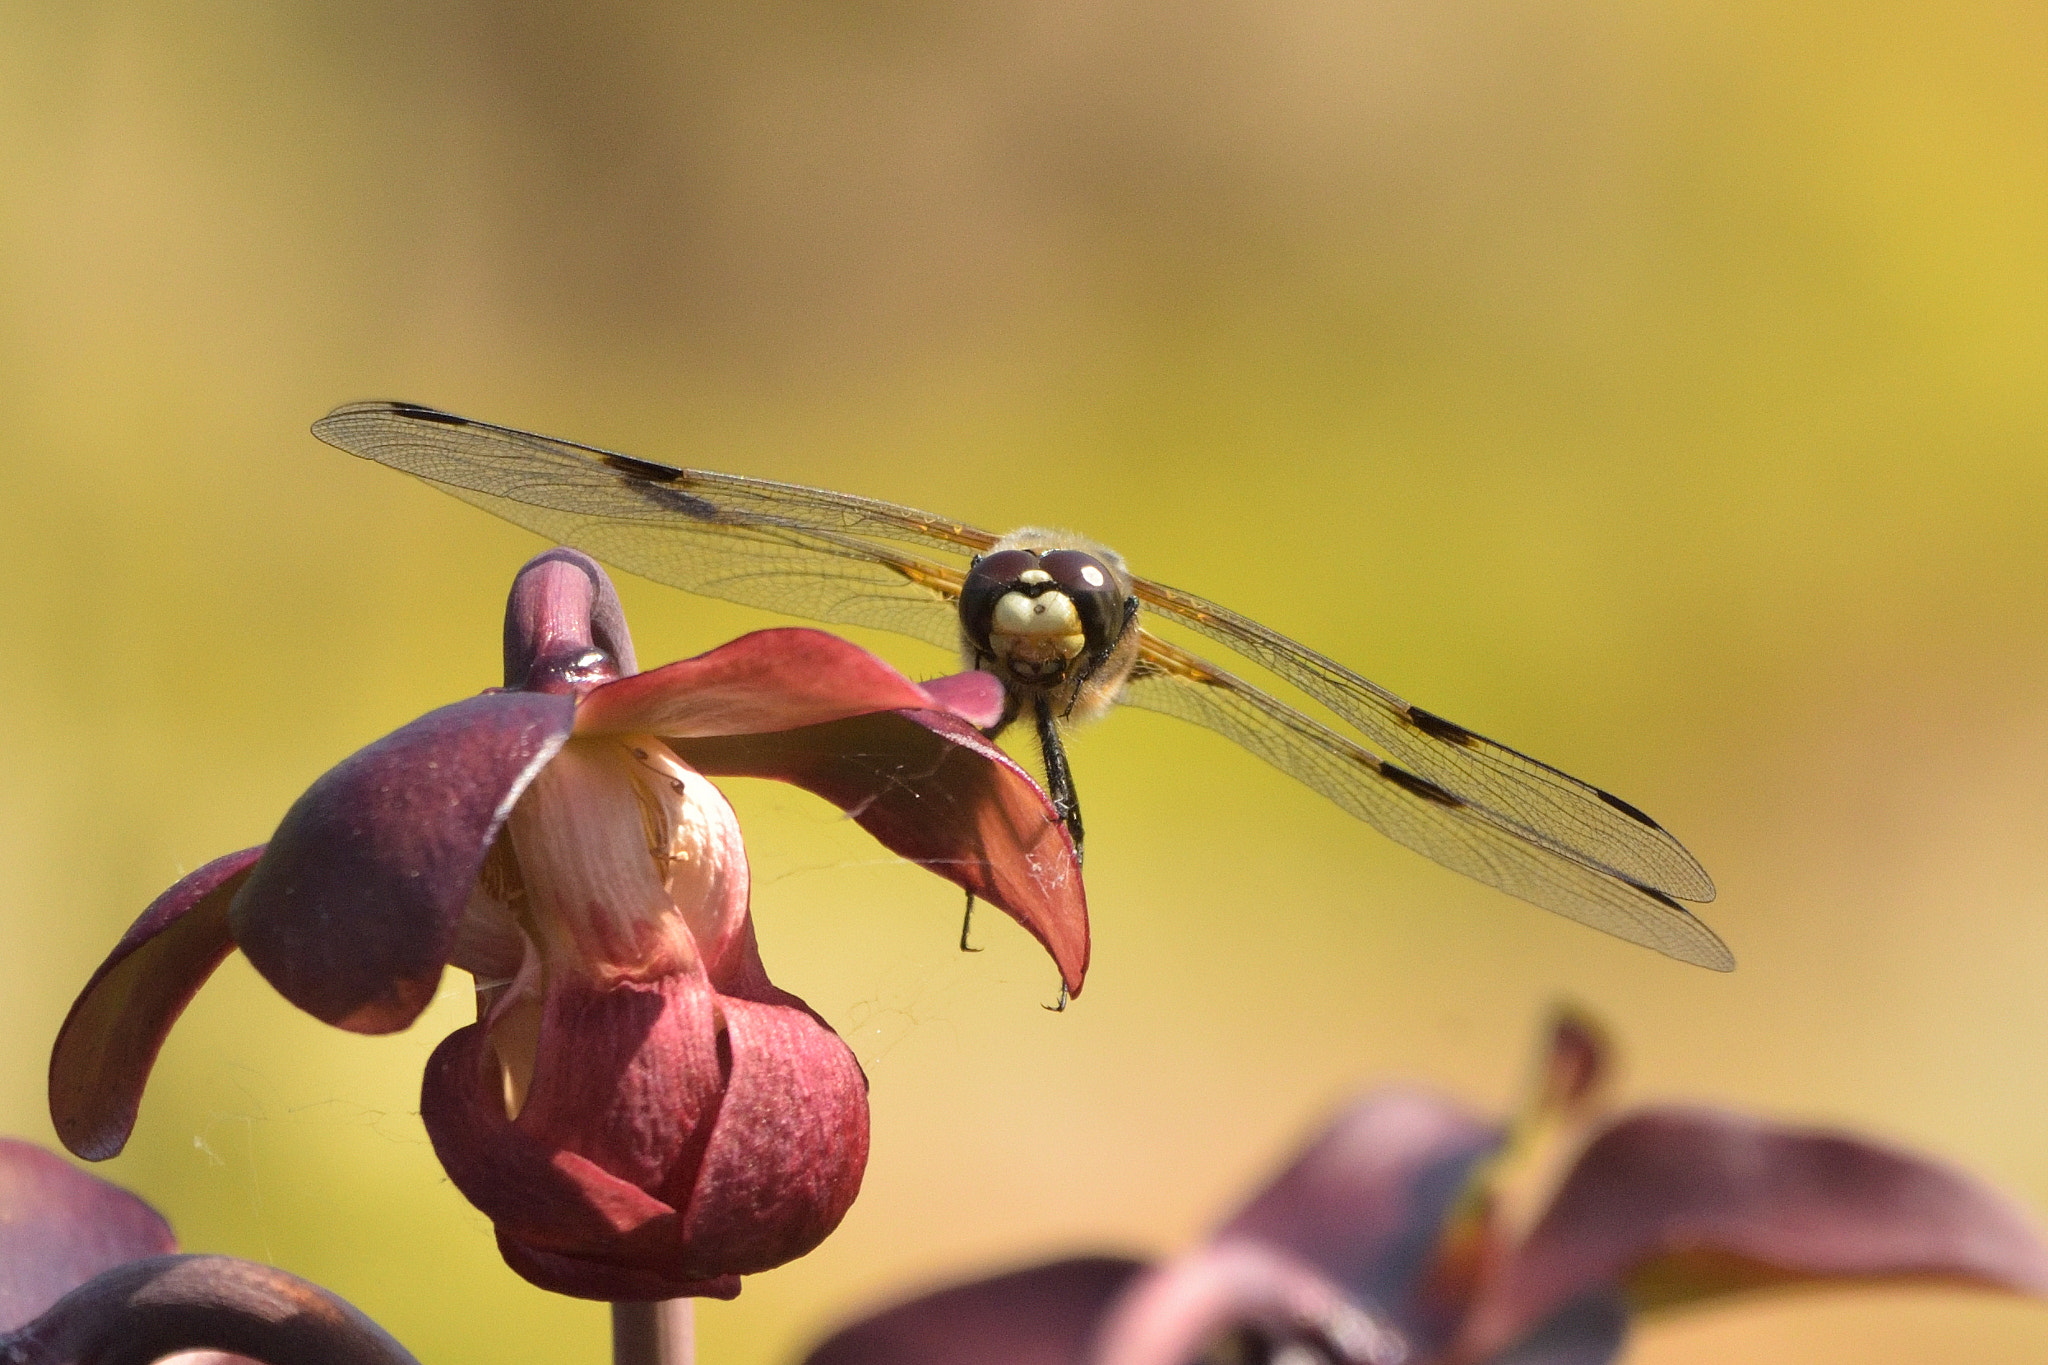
(1659, 388)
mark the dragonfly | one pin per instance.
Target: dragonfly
(1060, 621)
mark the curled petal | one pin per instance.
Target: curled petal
(1040, 1316)
(1675, 1205)
(561, 614)
(148, 1309)
(932, 789)
(59, 1227)
(1244, 1291)
(672, 1139)
(118, 1024)
(1366, 1201)
(769, 680)
(354, 908)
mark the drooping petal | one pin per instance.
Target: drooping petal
(118, 1024)
(934, 791)
(1366, 1201)
(154, 1308)
(1674, 1205)
(353, 910)
(769, 680)
(1243, 1290)
(59, 1227)
(1043, 1315)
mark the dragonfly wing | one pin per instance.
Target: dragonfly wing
(1416, 812)
(797, 550)
(1551, 808)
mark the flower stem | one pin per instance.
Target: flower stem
(663, 1333)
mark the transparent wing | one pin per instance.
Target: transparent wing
(785, 547)
(1416, 812)
(1548, 808)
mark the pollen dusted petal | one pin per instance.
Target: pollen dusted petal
(356, 905)
(770, 680)
(110, 1039)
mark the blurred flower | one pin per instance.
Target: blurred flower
(87, 1273)
(1394, 1239)
(638, 1109)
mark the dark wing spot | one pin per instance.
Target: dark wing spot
(1626, 809)
(1662, 899)
(646, 478)
(421, 413)
(644, 469)
(1436, 727)
(1418, 786)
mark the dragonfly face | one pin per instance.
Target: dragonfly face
(1055, 618)
(1051, 616)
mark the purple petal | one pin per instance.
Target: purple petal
(933, 790)
(353, 910)
(1366, 1201)
(152, 1308)
(1040, 1316)
(770, 680)
(1676, 1205)
(1243, 1290)
(564, 627)
(59, 1227)
(119, 1022)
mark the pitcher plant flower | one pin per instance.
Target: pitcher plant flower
(1412, 1232)
(638, 1109)
(90, 1273)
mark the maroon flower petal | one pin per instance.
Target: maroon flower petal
(1676, 1205)
(770, 680)
(933, 790)
(1040, 1316)
(353, 910)
(150, 1309)
(59, 1227)
(1246, 1290)
(537, 1192)
(1365, 1202)
(118, 1024)
(671, 1138)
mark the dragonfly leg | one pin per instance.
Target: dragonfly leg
(1060, 1006)
(1059, 782)
(967, 926)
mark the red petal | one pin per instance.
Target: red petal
(1167, 1316)
(1365, 1201)
(596, 1279)
(770, 680)
(1676, 1205)
(119, 1022)
(59, 1227)
(932, 789)
(791, 1141)
(1040, 1316)
(354, 908)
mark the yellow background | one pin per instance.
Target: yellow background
(1659, 388)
